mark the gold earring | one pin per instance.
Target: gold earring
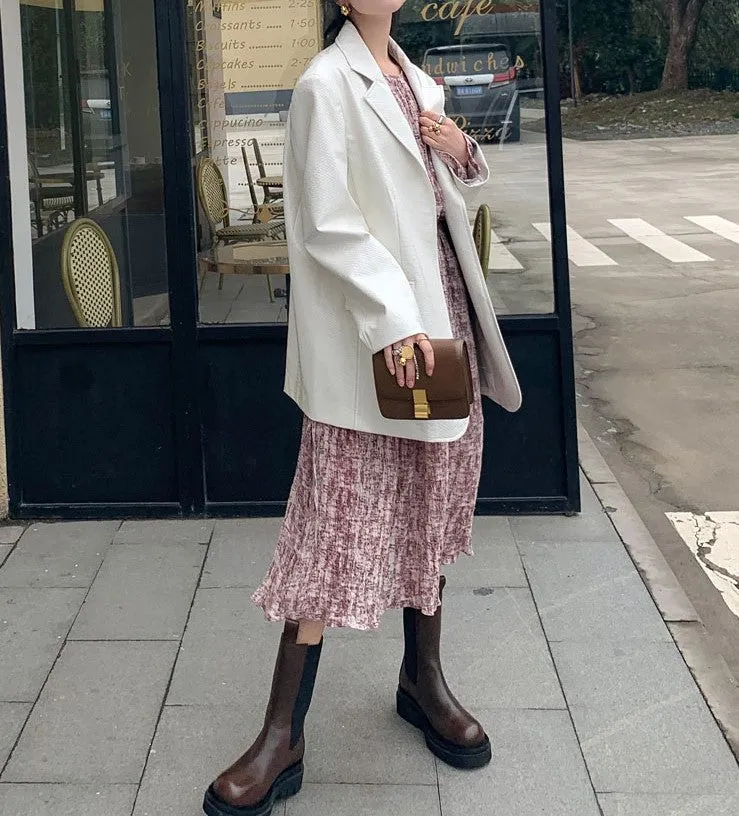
(345, 9)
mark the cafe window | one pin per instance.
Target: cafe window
(487, 56)
(89, 85)
(245, 59)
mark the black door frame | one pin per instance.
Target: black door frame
(185, 340)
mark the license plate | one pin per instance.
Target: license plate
(473, 90)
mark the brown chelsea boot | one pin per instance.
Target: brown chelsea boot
(425, 700)
(272, 768)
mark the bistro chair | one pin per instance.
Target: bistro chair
(265, 211)
(213, 199)
(52, 199)
(93, 172)
(90, 276)
(481, 233)
(267, 183)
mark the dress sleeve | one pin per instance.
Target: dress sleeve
(470, 171)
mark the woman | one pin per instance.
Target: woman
(381, 255)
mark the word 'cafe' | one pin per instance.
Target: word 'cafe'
(462, 10)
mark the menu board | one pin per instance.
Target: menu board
(254, 46)
(279, 38)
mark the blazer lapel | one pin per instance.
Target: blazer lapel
(429, 97)
(379, 96)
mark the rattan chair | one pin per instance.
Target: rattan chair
(52, 199)
(213, 199)
(90, 276)
(482, 237)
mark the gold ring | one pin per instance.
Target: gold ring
(406, 354)
(435, 127)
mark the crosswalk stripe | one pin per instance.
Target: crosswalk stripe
(500, 256)
(580, 251)
(715, 223)
(656, 240)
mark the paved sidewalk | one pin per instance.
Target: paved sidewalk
(133, 667)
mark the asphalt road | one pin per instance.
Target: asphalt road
(655, 302)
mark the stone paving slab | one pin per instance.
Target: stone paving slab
(589, 501)
(66, 800)
(165, 531)
(537, 768)
(33, 625)
(663, 584)
(192, 745)
(496, 562)
(96, 716)
(63, 554)
(10, 534)
(365, 800)
(354, 734)
(495, 652)
(228, 648)
(12, 717)
(240, 552)
(585, 529)
(141, 593)
(625, 804)
(591, 594)
(642, 723)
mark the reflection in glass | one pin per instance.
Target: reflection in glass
(244, 65)
(487, 57)
(94, 152)
(245, 60)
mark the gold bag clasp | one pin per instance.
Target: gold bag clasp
(421, 407)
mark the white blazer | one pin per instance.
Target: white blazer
(361, 227)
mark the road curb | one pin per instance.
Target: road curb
(705, 664)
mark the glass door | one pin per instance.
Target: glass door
(244, 61)
(93, 151)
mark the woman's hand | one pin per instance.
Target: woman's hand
(445, 137)
(406, 374)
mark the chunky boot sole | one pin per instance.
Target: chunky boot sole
(288, 783)
(458, 756)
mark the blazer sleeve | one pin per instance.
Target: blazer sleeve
(334, 230)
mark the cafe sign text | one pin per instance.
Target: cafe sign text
(462, 10)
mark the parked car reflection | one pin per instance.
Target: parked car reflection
(97, 127)
(481, 88)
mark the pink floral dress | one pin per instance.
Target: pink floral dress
(371, 519)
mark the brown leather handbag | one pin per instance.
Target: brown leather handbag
(446, 395)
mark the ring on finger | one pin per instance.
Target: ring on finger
(404, 354)
(440, 120)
